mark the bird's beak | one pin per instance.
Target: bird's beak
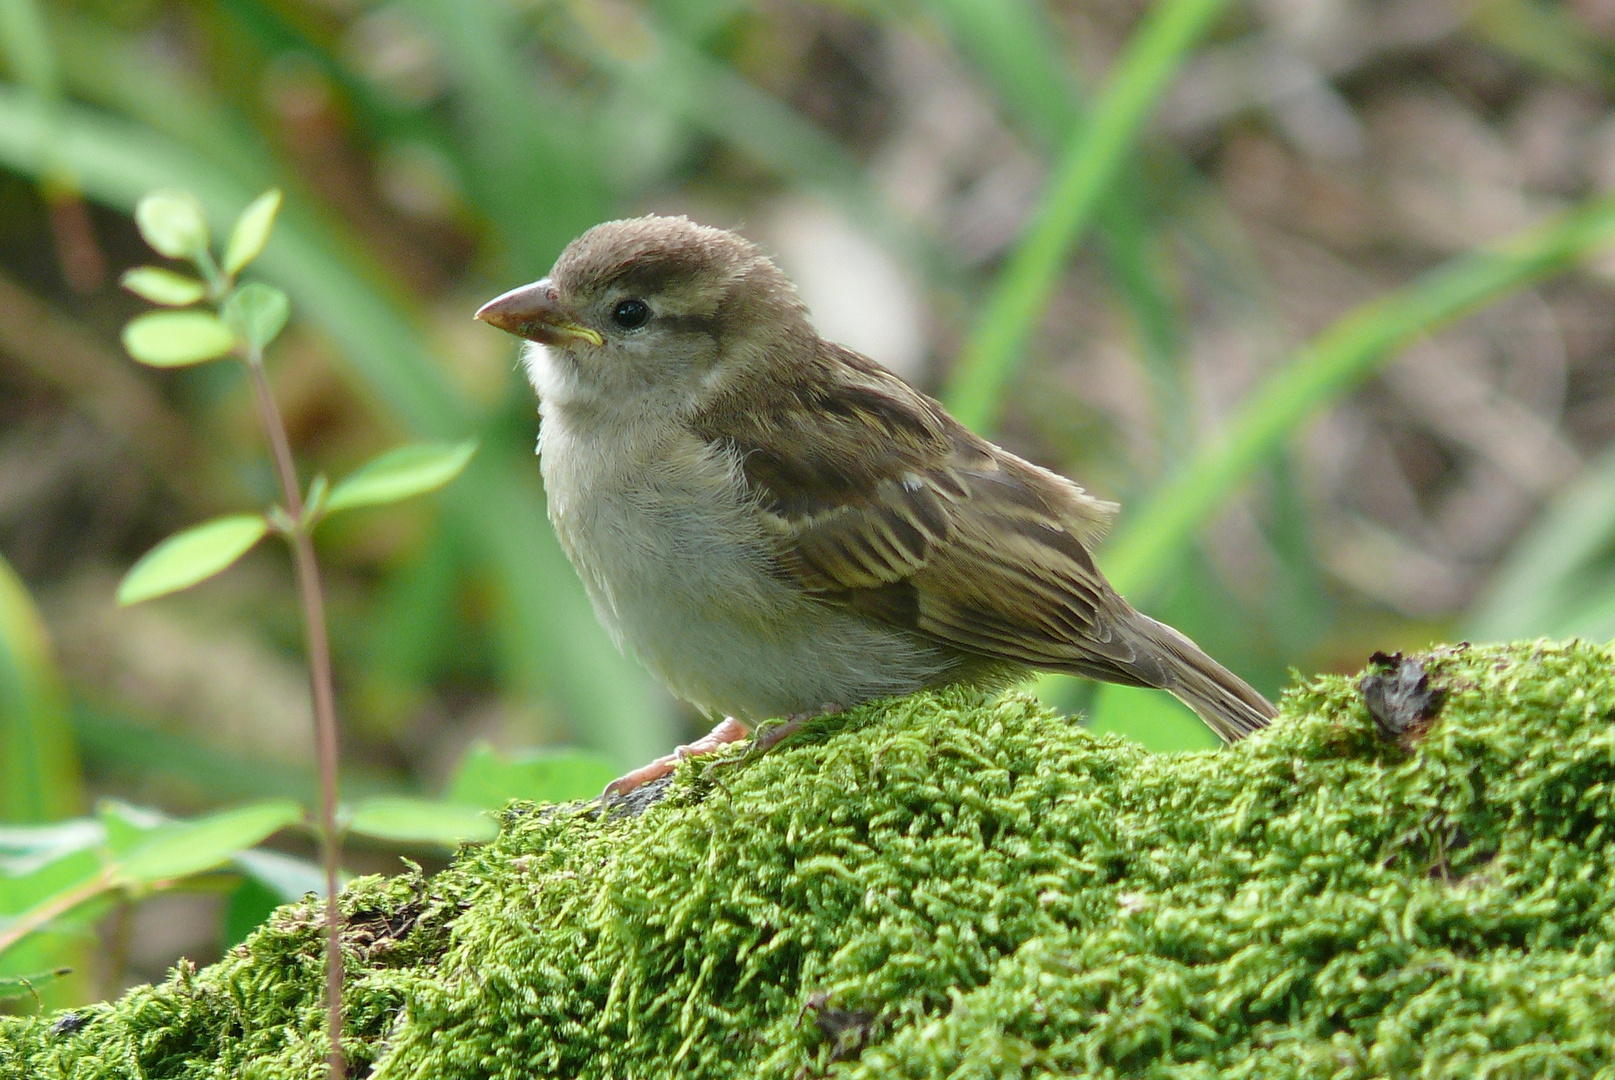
(534, 312)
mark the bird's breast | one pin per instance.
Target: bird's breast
(659, 529)
(674, 556)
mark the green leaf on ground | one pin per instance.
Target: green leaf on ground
(177, 338)
(251, 231)
(163, 286)
(401, 474)
(191, 556)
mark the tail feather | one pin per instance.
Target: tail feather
(1227, 704)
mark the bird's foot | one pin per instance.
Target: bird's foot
(772, 734)
(728, 731)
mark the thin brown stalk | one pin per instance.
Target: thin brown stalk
(319, 662)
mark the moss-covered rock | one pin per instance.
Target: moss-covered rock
(943, 886)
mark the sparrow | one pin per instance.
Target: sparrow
(779, 527)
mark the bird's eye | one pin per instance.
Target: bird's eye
(631, 314)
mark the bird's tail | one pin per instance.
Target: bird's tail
(1227, 704)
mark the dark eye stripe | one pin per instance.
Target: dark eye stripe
(710, 325)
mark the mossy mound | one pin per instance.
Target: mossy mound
(949, 887)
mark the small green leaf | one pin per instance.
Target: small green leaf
(401, 474)
(251, 231)
(177, 338)
(126, 826)
(191, 556)
(163, 286)
(172, 223)
(422, 821)
(257, 312)
(485, 778)
(190, 847)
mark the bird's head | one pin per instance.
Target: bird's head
(652, 310)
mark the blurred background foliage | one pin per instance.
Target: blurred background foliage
(1316, 288)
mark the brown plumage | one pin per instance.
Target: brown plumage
(716, 469)
(944, 534)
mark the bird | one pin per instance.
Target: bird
(778, 527)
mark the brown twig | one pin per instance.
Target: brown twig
(319, 662)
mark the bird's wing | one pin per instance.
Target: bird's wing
(879, 500)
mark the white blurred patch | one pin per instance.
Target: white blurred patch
(858, 294)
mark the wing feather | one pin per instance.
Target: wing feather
(877, 499)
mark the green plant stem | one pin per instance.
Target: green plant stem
(319, 665)
(1086, 170)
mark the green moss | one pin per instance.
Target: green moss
(949, 887)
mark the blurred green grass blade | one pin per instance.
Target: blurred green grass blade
(250, 905)
(286, 877)
(1085, 172)
(108, 67)
(1540, 588)
(534, 164)
(273, 30)
(1337, 360)
(1592, 619)
(1012, 46)
(671, 74)
(1128, 240)
(39, 769)
(135, 754)
(552, 638)
(119, 162)
(27, 46)
(403, 636)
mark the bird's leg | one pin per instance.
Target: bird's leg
(728, 731)
(771, 736)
